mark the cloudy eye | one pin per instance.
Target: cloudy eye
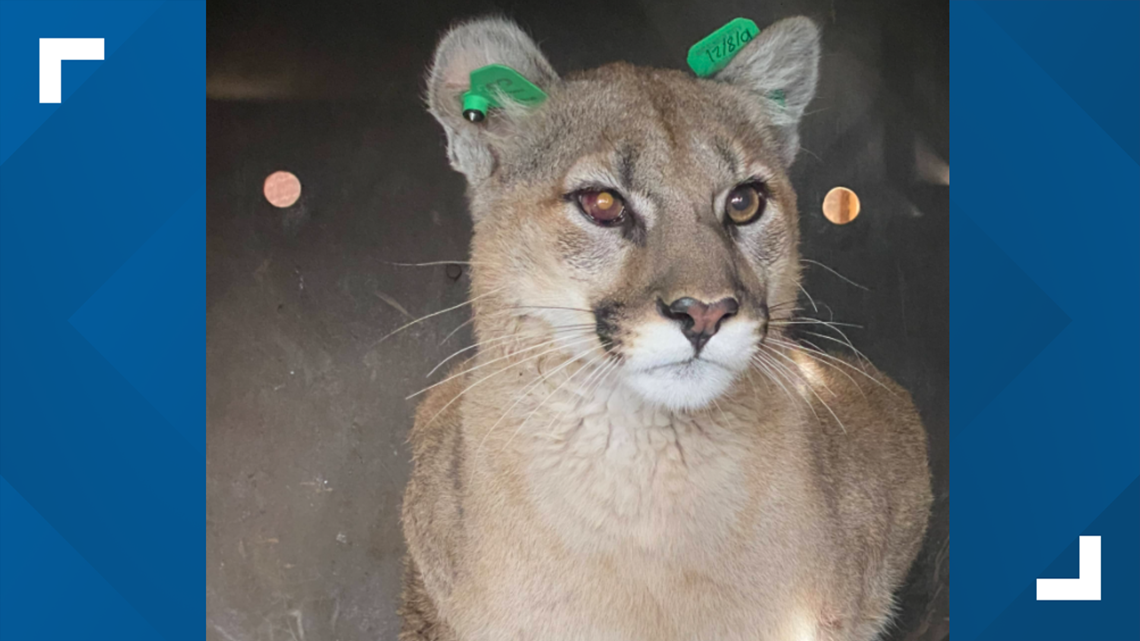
(746, 203)
(604, 207)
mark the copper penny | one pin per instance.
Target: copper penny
(282, 189)
(841, 205)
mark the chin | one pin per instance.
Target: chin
(683, 386)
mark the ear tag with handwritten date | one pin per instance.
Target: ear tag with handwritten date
(491, 84)
(715, 50)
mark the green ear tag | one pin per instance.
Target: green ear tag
(490, 83)
(711, 54)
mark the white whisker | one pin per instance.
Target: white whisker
(548, 397)
(815, 356)
(494, 374)
(496, 360)
(431, 263)
(810, 299)
(500, 340)
(846, 343)
(813, 321)
(442, 311)
(819, 351)
(811, 389)
(774, 375)
(459, 327)
(841, 276)
(597, 376)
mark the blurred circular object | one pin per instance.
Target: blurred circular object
(841, 205)
(453, 271)
(282, 189)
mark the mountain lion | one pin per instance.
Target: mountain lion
(640, 449)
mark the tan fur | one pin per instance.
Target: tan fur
(549, 500)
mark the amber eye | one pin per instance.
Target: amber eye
(604, 207)
(745, 203)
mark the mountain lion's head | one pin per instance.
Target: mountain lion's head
(644, 216)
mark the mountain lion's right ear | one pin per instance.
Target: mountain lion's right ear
(780, 65)
(463, 49)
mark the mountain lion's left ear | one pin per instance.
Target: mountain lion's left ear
(781, 64)
(465, 48)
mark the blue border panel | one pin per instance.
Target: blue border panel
(1045, 277)
(102, 292)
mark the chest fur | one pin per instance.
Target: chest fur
(670, 517)
(623, 477)
(610, 475)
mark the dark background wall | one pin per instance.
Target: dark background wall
(306, 417)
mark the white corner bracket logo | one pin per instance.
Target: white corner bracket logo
(1084, 588)
(53, 51)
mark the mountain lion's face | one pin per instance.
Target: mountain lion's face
(648, 206)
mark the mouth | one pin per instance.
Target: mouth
(688, 363)
(682, 384)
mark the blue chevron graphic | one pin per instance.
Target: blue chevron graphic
(101, 330)
(41, 573)
(1104, 32)
(994, 282)
(1045, 428)
(22, 24)
(1120, 591)
(127, 319)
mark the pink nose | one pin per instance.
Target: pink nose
(699, 320)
